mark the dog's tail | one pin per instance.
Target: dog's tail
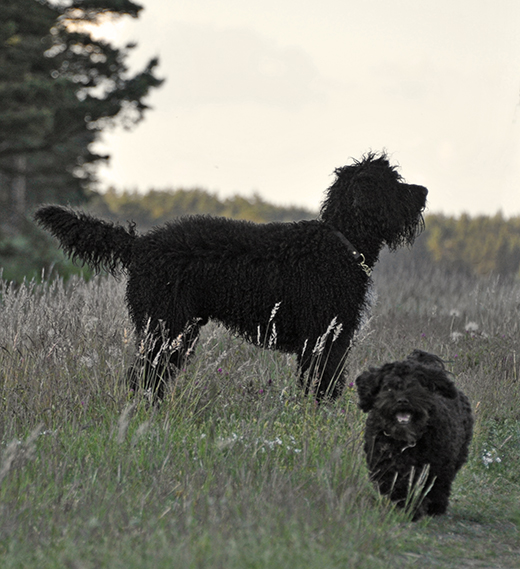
(99, 244)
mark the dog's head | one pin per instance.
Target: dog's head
(402, 394)
(377, 200)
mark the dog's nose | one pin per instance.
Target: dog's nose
(402, 400)
(420, 190)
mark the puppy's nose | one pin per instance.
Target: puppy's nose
(402, 400)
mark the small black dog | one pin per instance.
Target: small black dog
(417, 419)
(304, 283)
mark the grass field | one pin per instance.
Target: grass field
(237, 469)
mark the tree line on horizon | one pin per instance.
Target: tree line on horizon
(480, 245)
(156, 207)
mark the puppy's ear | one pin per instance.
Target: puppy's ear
(436, 381)
(368, 385)
(425, 358)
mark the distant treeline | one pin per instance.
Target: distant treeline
(480, 245)
(475, 245)
(158, 206)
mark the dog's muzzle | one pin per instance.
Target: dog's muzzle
(403, 417)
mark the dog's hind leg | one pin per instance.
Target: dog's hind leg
(161, 353)
(304, 363)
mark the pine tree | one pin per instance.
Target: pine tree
(59, 89)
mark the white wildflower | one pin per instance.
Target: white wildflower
(490, 456)
(456, 336)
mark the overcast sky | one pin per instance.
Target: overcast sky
(271, 96)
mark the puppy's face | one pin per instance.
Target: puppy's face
(402, 404)
(401, 394)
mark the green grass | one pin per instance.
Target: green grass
(236, 468)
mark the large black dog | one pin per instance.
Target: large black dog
(303, 284)
(417, 419)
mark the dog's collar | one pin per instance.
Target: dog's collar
(358, 257)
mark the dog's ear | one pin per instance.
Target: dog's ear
(368, 385)
(435, 380)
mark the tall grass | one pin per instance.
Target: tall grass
(236, 468)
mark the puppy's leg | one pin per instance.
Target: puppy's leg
(437, 499)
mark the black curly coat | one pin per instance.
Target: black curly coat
(284, 281)
(416, 418)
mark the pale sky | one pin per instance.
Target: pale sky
(272, 96)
